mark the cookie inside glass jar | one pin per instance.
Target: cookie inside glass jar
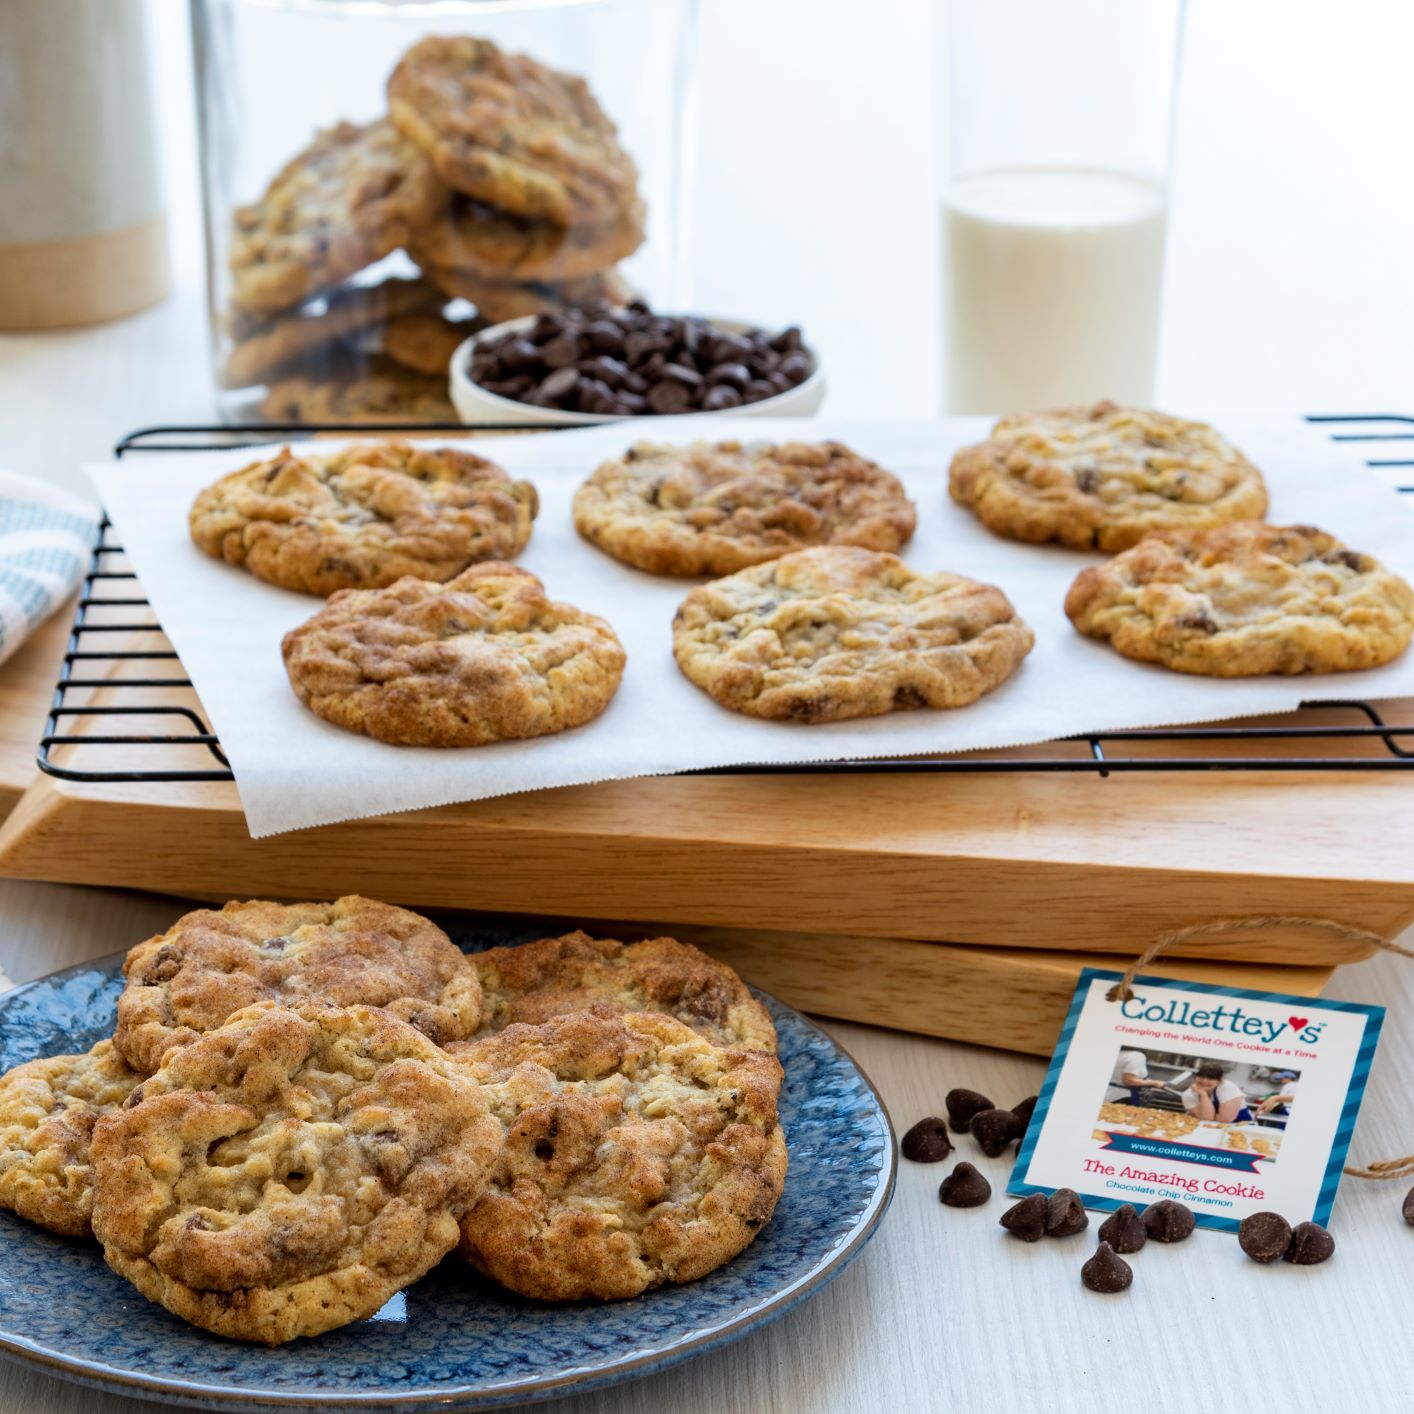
(480, 181)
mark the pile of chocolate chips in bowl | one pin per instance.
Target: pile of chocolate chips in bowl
(625, 362)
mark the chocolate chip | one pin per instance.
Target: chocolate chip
(736, 375)
(1310, 1244)
(680, 373)
(1408, 1208)
(605, 336)
(964, 1187)
(1351, 559)
(667, 397)
(1026, 1219)
(1167, 1221)
(1025, 1110)
(519, 356)
(1264, 1236)
(562, 351)
(730, 348)
(962, 1105)
(1199, 620)
(795, 368)
(1123, 1230)
(720, 398)
(995, 1131)
(1087, 481)
(788, 340)
(757, 391)
(1065, 1214)
(561, 385)
(1105, 1272)
(927, 1142)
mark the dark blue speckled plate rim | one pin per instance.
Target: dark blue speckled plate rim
(700, 1341)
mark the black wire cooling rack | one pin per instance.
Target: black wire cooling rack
(1349, 734)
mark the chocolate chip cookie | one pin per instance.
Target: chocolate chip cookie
(485, 243)
(289, 1172)
(636, 1153)
(511, 131)
(211, 963)
(363, 516)
(426, 342)
(836, 632)
(351, 197)
(359, 388)
(305, 335)
(497, 301)
(47, 1112)
(1104, 477)
(485, 657)
(536, 981)
(1244, 600)
(713, 508)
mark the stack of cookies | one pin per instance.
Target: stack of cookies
(304, 1108)
(501, 179)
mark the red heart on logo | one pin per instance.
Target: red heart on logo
(1297, 1022)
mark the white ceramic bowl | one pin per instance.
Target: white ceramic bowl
(475, 405)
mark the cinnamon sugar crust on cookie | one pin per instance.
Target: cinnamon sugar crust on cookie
(351, 197)
(511, 131)
(48, 1109)
(714, 508)
(825, 634)
(636, 1153)
(485, 657)
(1103, 477)
(287, 1173)
(213, 962)
(536, 981)
(1246, 600)
(363, 516)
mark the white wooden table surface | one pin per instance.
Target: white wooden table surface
(1285, 291)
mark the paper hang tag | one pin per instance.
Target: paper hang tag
(1228, 1100)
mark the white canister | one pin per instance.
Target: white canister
(82, 231)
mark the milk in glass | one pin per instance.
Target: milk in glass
(1052, 277)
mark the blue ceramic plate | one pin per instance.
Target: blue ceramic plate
(452, 1341)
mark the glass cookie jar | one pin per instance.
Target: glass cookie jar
(383, 178)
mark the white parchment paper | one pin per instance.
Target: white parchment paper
(294, 770)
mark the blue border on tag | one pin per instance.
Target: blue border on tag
(1345, 1127)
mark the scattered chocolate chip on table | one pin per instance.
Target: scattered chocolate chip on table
(1310, 1244)
(964, 1187)
(1264, 1236)
(962, 1105)
(1168, 1221)
(927, 1142)
(1106, 1272)
(1123, 1230)
(1026, 1219)
(1065, 1214)
(995, 1131)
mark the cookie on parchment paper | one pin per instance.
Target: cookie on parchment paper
(1103, 477)
(511, 131)
(363, 516)
(485, 657)
(636, 1153)
(213, 962)
(717, 507)
(536, 981)
(354, 195)
(1245, 600)
(48, 1109)
(287, 1173)
(825, 634)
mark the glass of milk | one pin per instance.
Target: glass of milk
(1056, 118)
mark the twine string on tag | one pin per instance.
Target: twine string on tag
(1121, 991)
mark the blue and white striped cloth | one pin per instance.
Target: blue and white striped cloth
(46, 538)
